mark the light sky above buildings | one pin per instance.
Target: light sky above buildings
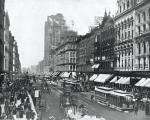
(27, 18)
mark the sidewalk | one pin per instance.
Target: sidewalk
(32, 107)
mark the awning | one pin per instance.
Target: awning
(55, 73)
(140, 82)
(120, 80)
(66, 74)
(148, 84)
(61, 74)
(103, 78)
(95, 66)
(143, 84)
(114, 80)
(74, 75)
(51, 73)
(126, 81)
(93, 77)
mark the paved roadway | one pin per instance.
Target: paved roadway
(52, 109)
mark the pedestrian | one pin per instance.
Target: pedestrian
(28, 113)
(92, 97)
(32, 115)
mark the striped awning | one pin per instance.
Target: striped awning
(93, 77)
(102, 78)
(140, 82)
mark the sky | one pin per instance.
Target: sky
(27, 18)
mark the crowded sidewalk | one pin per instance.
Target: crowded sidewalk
(16, 102)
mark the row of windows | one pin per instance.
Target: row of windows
(125, 53)
(144, 46)
(144, 64)
(125, 24)
(125, 63)
(143, 28)
(144, 15)
(125, 35)
(124, 6)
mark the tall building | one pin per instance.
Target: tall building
(54, 26)
(11, 41)
(2, 13)
(6, 43)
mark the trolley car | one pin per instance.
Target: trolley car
(114, 98)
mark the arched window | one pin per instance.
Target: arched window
(139, 48)
(125, 24)
(128, 22)
(144, 16)
(128, 4)
(144, 47)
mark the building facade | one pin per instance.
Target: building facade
(124, 25)
(2, 13)
(142, 35)
(104, 45)
(54, 26)
(66, 52)
(6, 43)
(85, 52)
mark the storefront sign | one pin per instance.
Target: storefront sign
(37, 93)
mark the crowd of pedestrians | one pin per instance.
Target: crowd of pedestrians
(14, 100)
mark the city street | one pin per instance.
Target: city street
(94, 109)
(74, 60)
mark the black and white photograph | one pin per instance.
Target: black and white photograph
(74, 59)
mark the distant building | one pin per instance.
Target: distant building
(2, 14)
(11, 43)
(14, 60)
(85, 51)
(40, 68)
(65, 53)
(54, 26)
